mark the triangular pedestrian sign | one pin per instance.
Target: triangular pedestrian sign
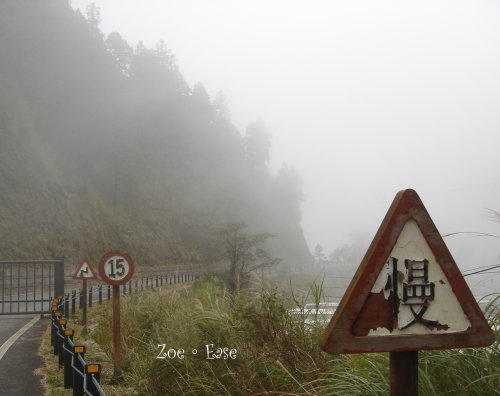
(84, 270)
(407, 294)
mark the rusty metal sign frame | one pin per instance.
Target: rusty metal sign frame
(338, 338)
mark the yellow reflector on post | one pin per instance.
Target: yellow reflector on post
(62, 322)
(68, 332)
(58, 313)
(93, 368)
(78, 349)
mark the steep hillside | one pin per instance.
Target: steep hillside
(106, 146)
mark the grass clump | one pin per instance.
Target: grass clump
(270, 345)
(276, 353)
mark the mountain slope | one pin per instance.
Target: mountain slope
(104, 146)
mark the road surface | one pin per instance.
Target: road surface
(19, 342)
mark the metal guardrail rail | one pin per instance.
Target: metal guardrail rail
(82, 377)
(99, 293)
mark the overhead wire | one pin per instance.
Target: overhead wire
(482, 271)
(474, 233)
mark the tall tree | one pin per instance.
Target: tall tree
(257, 142)
(121, 51)
(243, 252)
(221, 107)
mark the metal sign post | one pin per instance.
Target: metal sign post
(84, 271)
(117, 374)
(403, 372)
(84, 308)
(407, 295)
(116, 268)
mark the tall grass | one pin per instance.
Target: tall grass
(272, 352)
(275, 355)
(446, 372)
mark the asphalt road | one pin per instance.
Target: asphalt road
(19, 357)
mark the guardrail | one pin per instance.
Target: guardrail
(99, 293)
(79, 375)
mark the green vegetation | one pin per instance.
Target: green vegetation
(104, 146)
(276, 353)
(243, 252)
(270, 345)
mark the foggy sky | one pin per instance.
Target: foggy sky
(363, 98)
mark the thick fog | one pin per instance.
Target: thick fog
(363, 98)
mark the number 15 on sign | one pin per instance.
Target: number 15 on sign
(116, 268)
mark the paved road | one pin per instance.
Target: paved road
(21, 358)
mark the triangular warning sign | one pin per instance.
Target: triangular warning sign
(84, 270)
(407, 294)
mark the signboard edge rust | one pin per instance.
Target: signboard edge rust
(85, 260)
(338, 337)
(102, 263)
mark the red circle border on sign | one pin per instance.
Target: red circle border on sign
(105, 258)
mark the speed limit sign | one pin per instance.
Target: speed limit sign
(116, 267)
